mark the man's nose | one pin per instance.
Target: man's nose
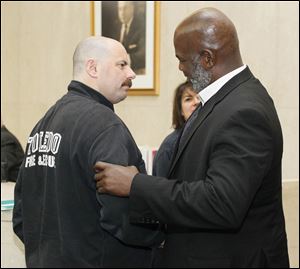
(131, 74)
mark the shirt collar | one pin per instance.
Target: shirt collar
(85, 90)
(213, 88)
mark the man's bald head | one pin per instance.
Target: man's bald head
(210, 33)
(94, 47)
(212, 28)
(103, 64)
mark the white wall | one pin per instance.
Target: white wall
(38, 40)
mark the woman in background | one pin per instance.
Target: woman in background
(185, 102)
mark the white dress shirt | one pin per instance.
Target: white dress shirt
(213, 88)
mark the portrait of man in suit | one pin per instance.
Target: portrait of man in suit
(125, 21)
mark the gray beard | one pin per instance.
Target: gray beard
(200, 78)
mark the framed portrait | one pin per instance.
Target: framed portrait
(136, 25)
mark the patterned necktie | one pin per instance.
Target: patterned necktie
(189, 123)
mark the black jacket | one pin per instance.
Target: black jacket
(12, 155)
(58, 214)
(163, 157)
(223, 207)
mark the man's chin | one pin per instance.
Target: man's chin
(123, 98)
(124, 94)
(120, 99)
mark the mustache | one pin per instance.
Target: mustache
(127, 82)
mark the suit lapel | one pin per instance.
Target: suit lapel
(207, 109)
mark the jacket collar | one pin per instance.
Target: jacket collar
(208, 108)
(84, 90)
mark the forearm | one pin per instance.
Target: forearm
(198, 204)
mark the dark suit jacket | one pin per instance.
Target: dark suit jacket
(12, 155)
(224, 206)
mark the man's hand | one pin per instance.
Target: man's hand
(114, 179)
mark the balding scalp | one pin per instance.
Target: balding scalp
(212, 27)
(95, 47)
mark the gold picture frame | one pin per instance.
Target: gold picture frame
(104, 14)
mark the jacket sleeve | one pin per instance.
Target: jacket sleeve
(115, 145)
(241, 155)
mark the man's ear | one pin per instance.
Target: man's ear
(91, 68)
(208, 58)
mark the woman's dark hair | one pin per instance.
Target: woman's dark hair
(178, 120)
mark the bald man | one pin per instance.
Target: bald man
(58, 214)
(222, 201)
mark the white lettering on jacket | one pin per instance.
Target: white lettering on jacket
(46, 144)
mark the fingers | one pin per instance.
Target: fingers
(100, 186)
(99, 176)
(101, 166)
(101, 190)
